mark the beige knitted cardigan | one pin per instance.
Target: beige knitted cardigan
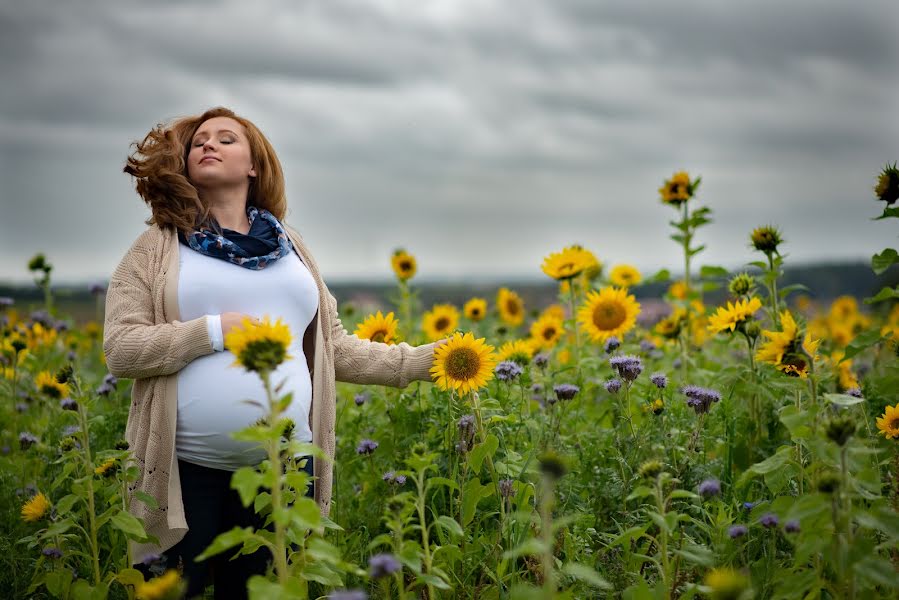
(144, 340)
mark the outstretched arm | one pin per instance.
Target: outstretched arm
(363, 361)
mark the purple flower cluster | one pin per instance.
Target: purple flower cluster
(700, 398)
(27, 440)
(366, 447)
(628, 367)
(507, 370)
(52, 552)
(96, 289)
(6, 301)
(792, 526)
(612, 344)
(382, 565)
(710, 488)
(659, 380)
(737, 531)
(855, 392)
(541, 359)
(566, 391)
(769, 520)
(613, 386)
(68, 404)
(394, 479)
(361, 398)
(348, 595)
(506, 487)
(108, 385)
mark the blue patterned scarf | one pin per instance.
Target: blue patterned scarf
(265, 243)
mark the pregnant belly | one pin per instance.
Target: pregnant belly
(215, 400)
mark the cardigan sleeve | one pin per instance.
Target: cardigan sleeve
(135, 347)
(363, 361)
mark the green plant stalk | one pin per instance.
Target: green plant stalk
(546, 506)
(685, 330)
(405, 308)
(476, 405)
(274, 456)
(420, 508)
(577, 340)
(772, 289)
(627, 410)
(799, 445)
(91, 509)
(848, 575)
(663, 539)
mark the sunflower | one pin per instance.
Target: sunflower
(463, 363)
(377, 328)
(610, 311)
(567, 264)
(440, 321)
(678, 189)
(785, 350)
(547, 331)
(844, 309)
(36, 508)
(518, 351)
(765, 239)
(46, 383)
(167, 586)
(555, 311)
(261, 346)
(510, 306)
(624, 276)
(734, 315)
(726, 584)
(678, 290)
(475, 309)
(107, 469)
(404, 265)
(888, 422)
(887, 187)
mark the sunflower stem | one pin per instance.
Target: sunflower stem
(577, 340)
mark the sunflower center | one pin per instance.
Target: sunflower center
(379, 336)
(441, 323)
(549, 333)
(512, 307)
(608, 315)
(462, 364)
(405, 266)
(894, 424)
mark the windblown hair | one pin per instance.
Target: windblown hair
(159, 163)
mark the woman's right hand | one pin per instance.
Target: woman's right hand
(234, 319)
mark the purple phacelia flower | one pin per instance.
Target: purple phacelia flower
(737, 531)
(68, 404)
(348, 595)
(361, 398)
(27, 440)
(612, 344)
(700, 398)
(769, 520)
(52, 552)
(507, 370)
(541, 359)
(382, 565)
(709, 488)
(613, 386)
(565, 391)
(792, 526)
(660, 380)
(855, 392)
(366, 447)
(628, 367)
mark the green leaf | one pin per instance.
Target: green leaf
(450, 525)
(877, 571)
(129, 577)
(305, 514)
(586, 574)
(129, 525)
(862, 341)
(472, 493)
(481, 451)
(530, 547)
(435, 481)
(880, 519)
(247, 481)
(261, 501)
(659, 276)
(684, 494)
(699, 555)
(226, 541)
(843, 399)
(881, 262)
(641, 491)
(886, 293)
(712, 271)
(887, 213)
(146, 498)
(59, 581)
(66, 504)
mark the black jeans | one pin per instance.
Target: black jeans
(211, 507)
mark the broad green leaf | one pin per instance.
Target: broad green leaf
(450, 525)
(843, 399)
(481, 451)
(247, 481)
(226, 541)
(146, 498)
(586, 574)
(881, 262)
(129, 525)
(886, 293)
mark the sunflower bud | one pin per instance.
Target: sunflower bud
(650, 469)
(752, 329)
(766, 239)
(64, 375)
(840, 429)
(887, 188)
(829, 483)
(552, 465)
(741, 285)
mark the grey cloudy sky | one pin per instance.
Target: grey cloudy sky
(479, 134)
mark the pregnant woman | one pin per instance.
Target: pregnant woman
(217, 251)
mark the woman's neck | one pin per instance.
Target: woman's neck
(230, 211)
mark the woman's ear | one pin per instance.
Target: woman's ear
(252, 172)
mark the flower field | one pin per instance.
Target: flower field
(583, 449)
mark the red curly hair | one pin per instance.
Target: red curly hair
(159, 163)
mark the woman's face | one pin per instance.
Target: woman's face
(220, 155)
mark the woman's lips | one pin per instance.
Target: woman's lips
(205, 158)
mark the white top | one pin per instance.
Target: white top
(212, 394)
